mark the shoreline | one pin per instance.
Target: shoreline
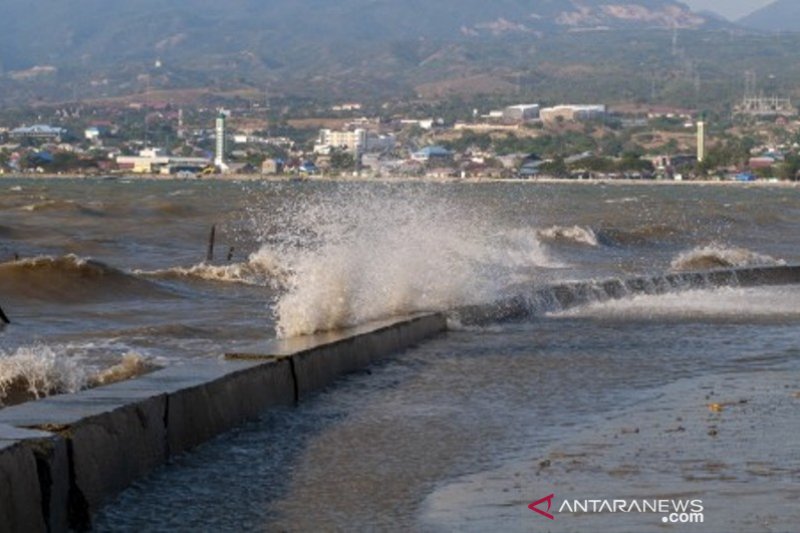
(398, 179)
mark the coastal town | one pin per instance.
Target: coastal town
(147, 136)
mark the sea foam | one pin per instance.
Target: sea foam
(261, 268)
(570, 234)
(361, 254)
(37, 371)
(718, 256)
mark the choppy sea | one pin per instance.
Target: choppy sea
(100, 273)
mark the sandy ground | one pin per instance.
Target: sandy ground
(732, 441)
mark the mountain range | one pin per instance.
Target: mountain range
(781, 15)
(100, 48)
(42, 32)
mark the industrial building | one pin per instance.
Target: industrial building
(156, 161)
(757, 104)
(766, 106)
(39, 131)
(521, 113)
(572, 113)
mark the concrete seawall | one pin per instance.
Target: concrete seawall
(64, 457)
(537, 301)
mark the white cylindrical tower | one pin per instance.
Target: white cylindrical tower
(701, 141)
(219, 159)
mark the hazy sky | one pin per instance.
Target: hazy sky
(732, 9)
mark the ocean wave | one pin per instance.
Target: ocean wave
(33, 372)
(727, 303)
(131, 366)
(624, 200)
(717, 256)
(570, 234)
(261, 268)
(364, 254)
(63, 205)
(68, 279)
(37, 371)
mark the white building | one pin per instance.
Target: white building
(92, 134)
(349, 106)
(521, 113)
(39, 131)
(425, 124)
(572, 113)
(354, 142)
(357, 141)
(157, 161)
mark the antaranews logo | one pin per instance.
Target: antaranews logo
(535, 506)
(671, 511)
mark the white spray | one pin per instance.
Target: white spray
(367, 253)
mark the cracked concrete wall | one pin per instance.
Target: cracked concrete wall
(64, 457)
(34, 481)
(20, 498)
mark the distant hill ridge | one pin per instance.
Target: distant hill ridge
(56, 50)
(781, 15)
(272, 32)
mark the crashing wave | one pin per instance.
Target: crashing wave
(366, 254)
(37, 371)
(717, 256)
(570, 234)
(131, 366)
(261, 268)
(33, 372)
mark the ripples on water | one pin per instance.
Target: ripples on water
(367, 454)
(113, 272)
(104, 261)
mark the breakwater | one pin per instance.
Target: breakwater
(537, 301)
(62, 458)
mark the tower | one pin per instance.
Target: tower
(701, 140)
(181, 132)
(219, 159)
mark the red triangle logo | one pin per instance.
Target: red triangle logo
(534, 506)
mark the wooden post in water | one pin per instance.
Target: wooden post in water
(3, 318)
(211, 238)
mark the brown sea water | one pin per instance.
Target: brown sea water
(114, 269)
(95, 270)
(463, 432)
